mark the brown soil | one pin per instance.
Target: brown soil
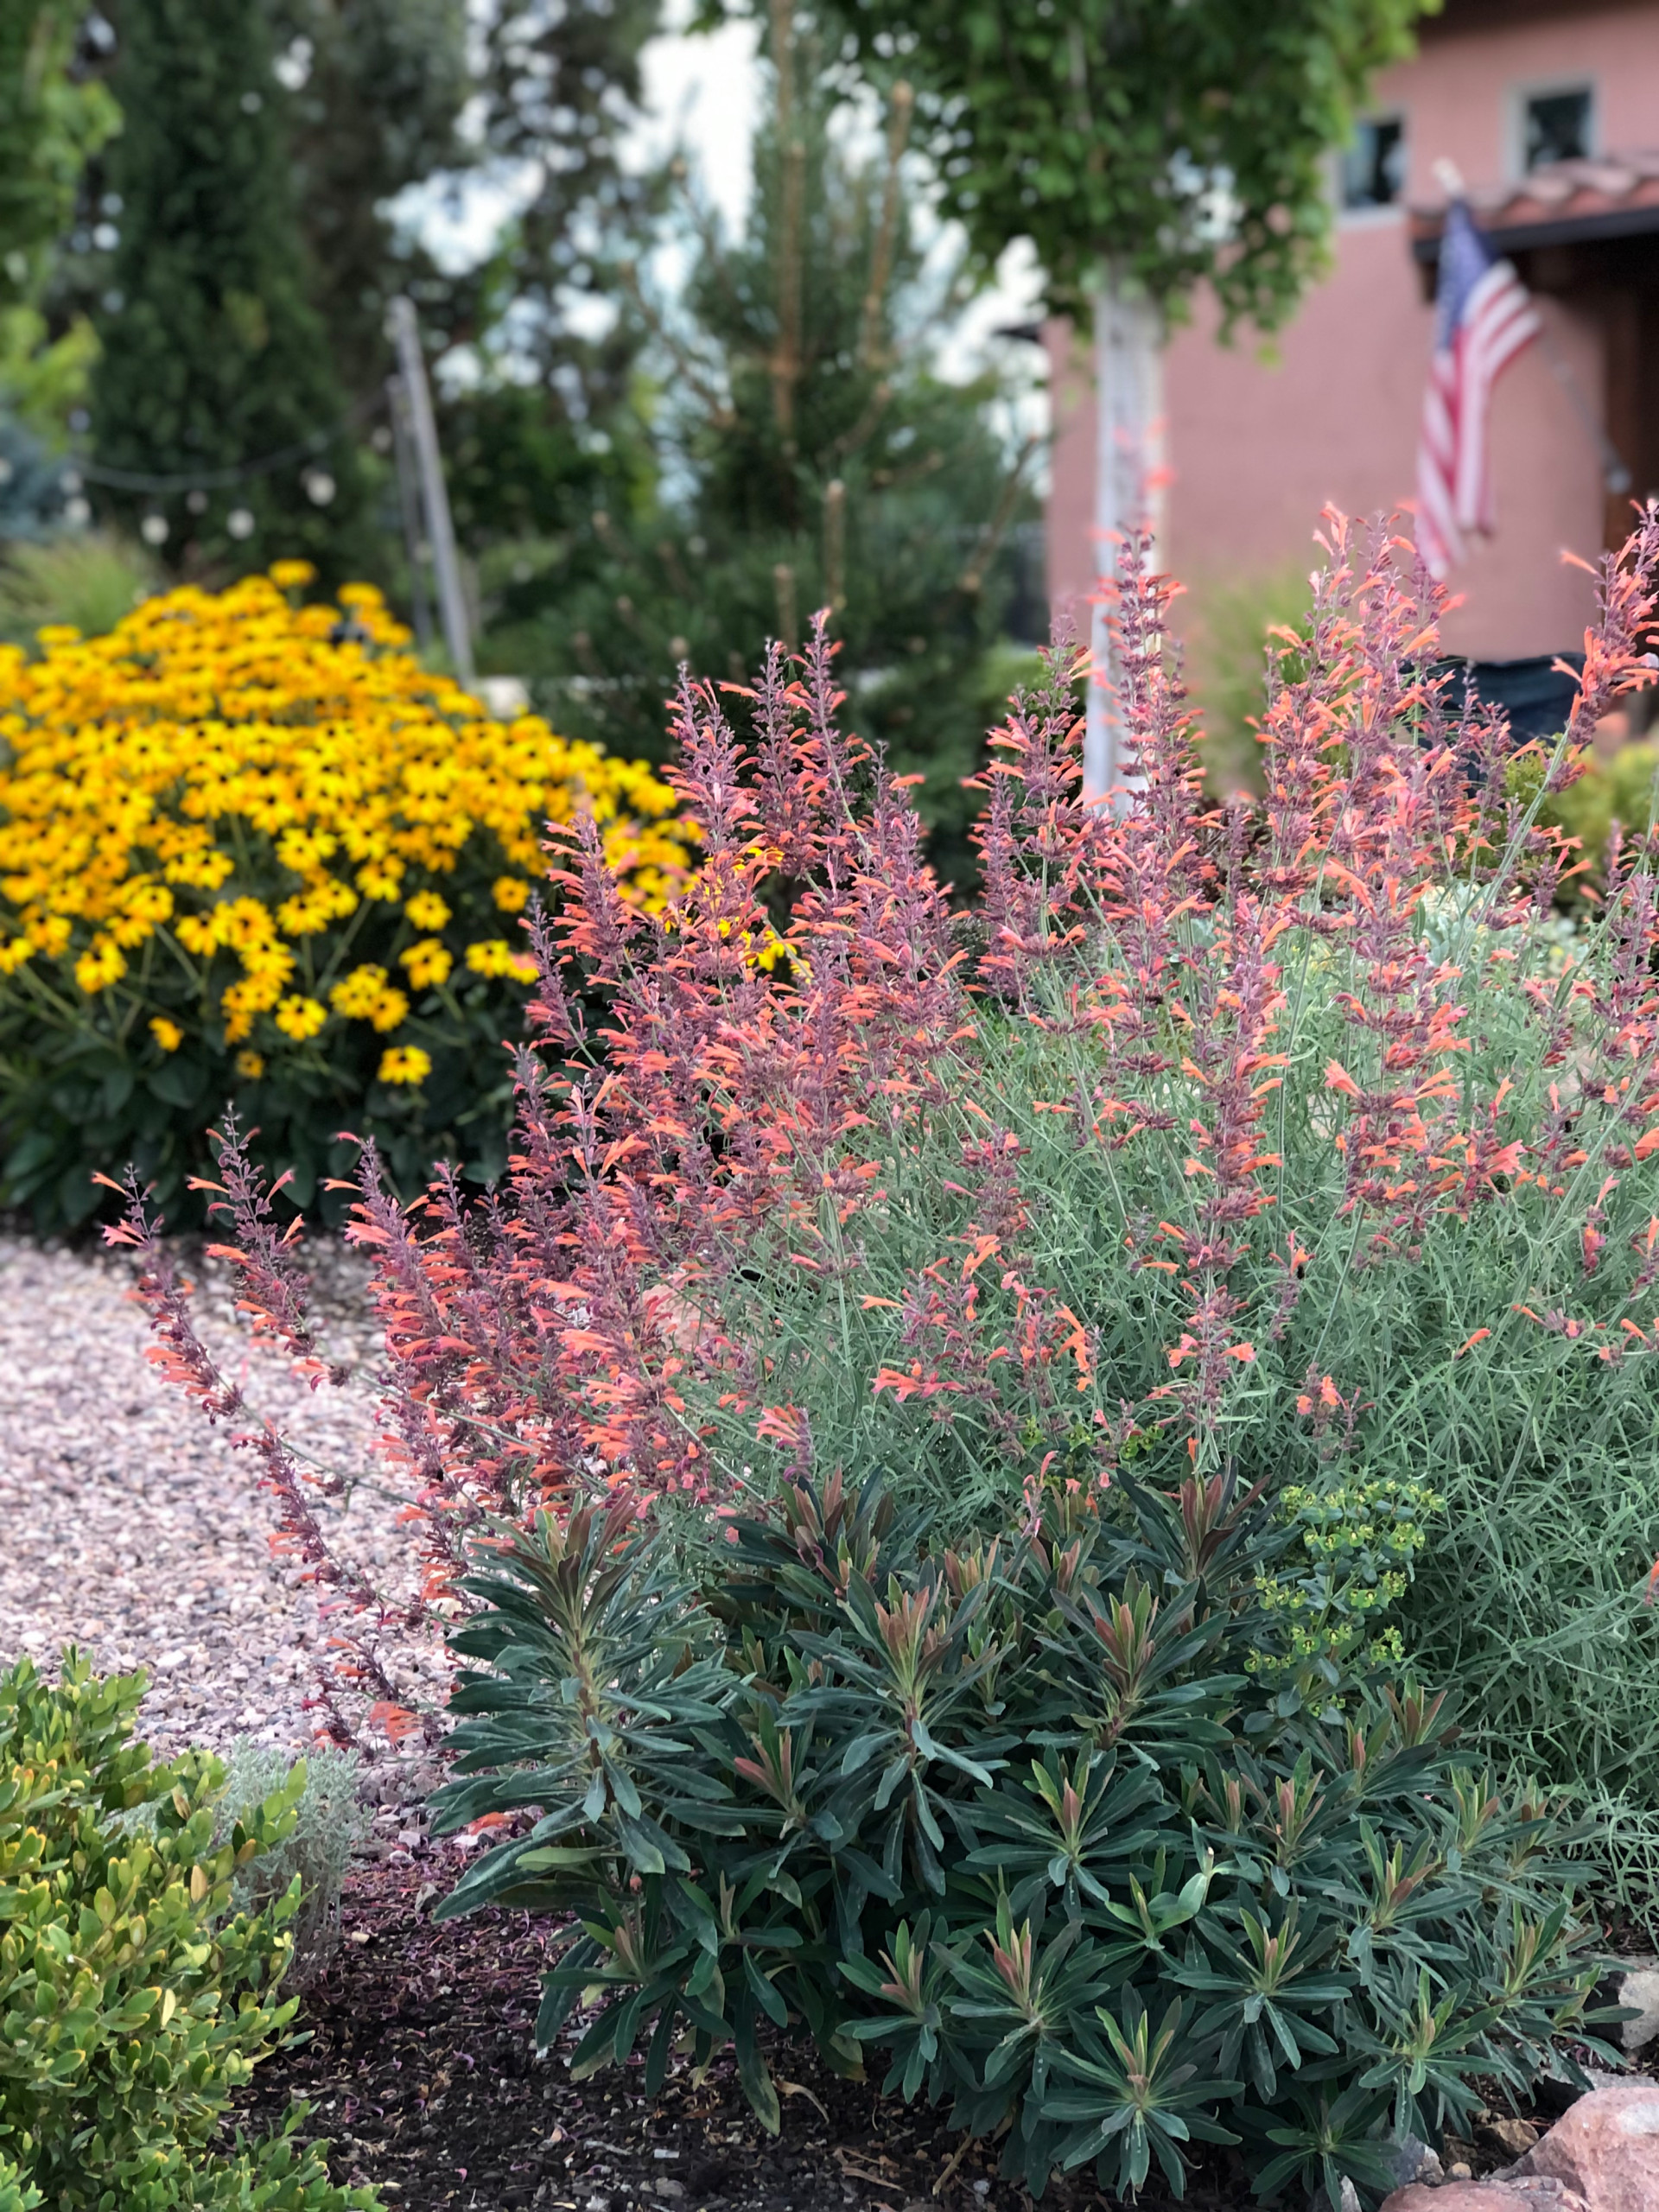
(421, 2069)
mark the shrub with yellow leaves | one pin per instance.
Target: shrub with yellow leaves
(253, 849)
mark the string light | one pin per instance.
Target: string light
(227, 479)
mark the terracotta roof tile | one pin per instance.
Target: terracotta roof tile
(1614, 194)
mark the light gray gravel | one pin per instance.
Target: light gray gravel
(133, 1528)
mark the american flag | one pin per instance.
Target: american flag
(1484, 316)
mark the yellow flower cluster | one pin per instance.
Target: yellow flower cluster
(232, 774)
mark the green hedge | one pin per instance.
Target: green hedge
(134, 1999)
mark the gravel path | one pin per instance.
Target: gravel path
(134, 1528)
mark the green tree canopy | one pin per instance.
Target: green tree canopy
(1176, 139)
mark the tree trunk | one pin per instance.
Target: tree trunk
(1129, 404)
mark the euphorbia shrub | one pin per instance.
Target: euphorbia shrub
(1015, 1815)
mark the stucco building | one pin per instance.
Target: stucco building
(1549, 109)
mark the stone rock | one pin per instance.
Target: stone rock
(1537, 2193)
(1605, 2149)
(1640, 1989)
(1508, 2134)
(1412, 2160)
(1349, 2201)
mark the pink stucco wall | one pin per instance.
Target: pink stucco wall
(1257, 442)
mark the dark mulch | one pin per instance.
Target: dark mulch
(420, 2067)
(422, 2071)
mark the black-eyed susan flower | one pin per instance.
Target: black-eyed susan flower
(429, 962)
(427, 910)
(101, 964)
(495, 956)
(228, 820)
(404, 1063)
(300, 1018)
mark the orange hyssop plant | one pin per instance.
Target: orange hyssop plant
(1287, 1140)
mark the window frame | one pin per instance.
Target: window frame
(1385, 211)
(1520, 97)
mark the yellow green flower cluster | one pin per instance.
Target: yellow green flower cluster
(246, 840)
(1349, 1560)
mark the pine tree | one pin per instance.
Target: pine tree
(213, 357)
(807, 454)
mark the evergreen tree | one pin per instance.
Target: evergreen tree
(807, 453)
(376, 88)
(212, 356)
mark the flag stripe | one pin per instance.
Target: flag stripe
(1485, 317)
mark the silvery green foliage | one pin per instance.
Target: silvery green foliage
(330, 1822)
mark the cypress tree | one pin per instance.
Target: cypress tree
(212, 356)
(374, 91)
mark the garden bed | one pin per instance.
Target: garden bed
(420, 2066)
(416, 2056)
(977, 1655)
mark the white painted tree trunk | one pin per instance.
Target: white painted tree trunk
(1129, 406)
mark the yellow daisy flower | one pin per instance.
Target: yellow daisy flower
(404, 1063)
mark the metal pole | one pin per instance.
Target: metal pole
(409, 501)
(452, 607)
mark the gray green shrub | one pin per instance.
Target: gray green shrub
(330, 1822)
